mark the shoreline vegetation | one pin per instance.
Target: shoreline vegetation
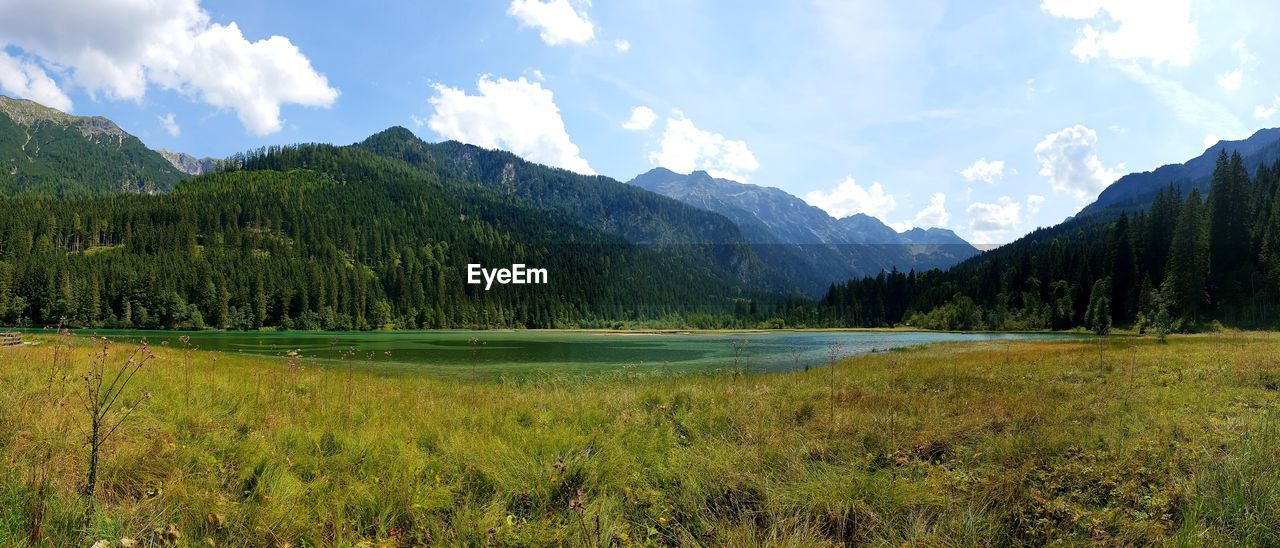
(1109, 440)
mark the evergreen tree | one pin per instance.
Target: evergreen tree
(1185, 276)
(1099, 312)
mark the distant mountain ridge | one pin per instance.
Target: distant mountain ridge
(1136, 191)
(46, 151)
(832, 249)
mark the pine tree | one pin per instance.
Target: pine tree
(1184, 281)
(1229, 235)
(1124, 272)
(1098, 315)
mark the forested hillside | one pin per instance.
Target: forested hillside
(322, 237)
(1182, 263)
(1137, 191)
(47, 152)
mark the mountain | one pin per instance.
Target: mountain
(784, 228)
(44, 151)
(326, 237)
(189, 164)
(1136, 191)
(640, 217)
(933, 236)
(706, 239)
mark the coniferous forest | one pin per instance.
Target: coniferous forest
(337, 238)
(1181, 264)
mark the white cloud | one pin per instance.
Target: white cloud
(1160, 31)
(516, 115)
(997, 222)
(686, 148)
(642, 118)
(849, 197)
(1069, 158)
(933, 215)
(26, 80)
(1231, 81)
(170, 124)
(1034, 202)
(1265, 113)
(621, 45)
(120, 47)
(417, 121)
(982, 170)
(558, 21)
(1186, 105)
(1210, 139)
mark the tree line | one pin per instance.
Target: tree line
(1181, 264)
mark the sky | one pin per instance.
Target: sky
(990, 118)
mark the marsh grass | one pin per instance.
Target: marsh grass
(939, 445)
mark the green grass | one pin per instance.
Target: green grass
(952, 444)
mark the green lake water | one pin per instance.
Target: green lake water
(526, 353)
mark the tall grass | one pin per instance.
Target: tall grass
(940, 445)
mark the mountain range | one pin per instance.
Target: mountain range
(381, 228)
(787, 230)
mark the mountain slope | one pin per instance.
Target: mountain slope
(47, 152)
(1136, 191)
(830, 249)
(598, 202)
(317, 236)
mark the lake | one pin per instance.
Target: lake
(524, 353)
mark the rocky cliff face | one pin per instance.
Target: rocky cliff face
(189, 164)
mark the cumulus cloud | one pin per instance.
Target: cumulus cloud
(170, 124)
(515, 115)
(686, 148)
(642, 118)
(997, 222)
(1210, 139)
(120, 47)
(1159, 31)
(1069, 158)
(26, 80)
(849, 197)
(933, 215)
(1265, 113)
(1232, 80)
(558, 21)
(621, 45)
(982, 170)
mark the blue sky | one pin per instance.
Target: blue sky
(990, 118)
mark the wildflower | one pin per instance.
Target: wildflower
(575, 503)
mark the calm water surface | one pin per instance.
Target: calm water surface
(555, 352)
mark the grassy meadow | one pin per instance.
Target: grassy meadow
(1031, 443)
